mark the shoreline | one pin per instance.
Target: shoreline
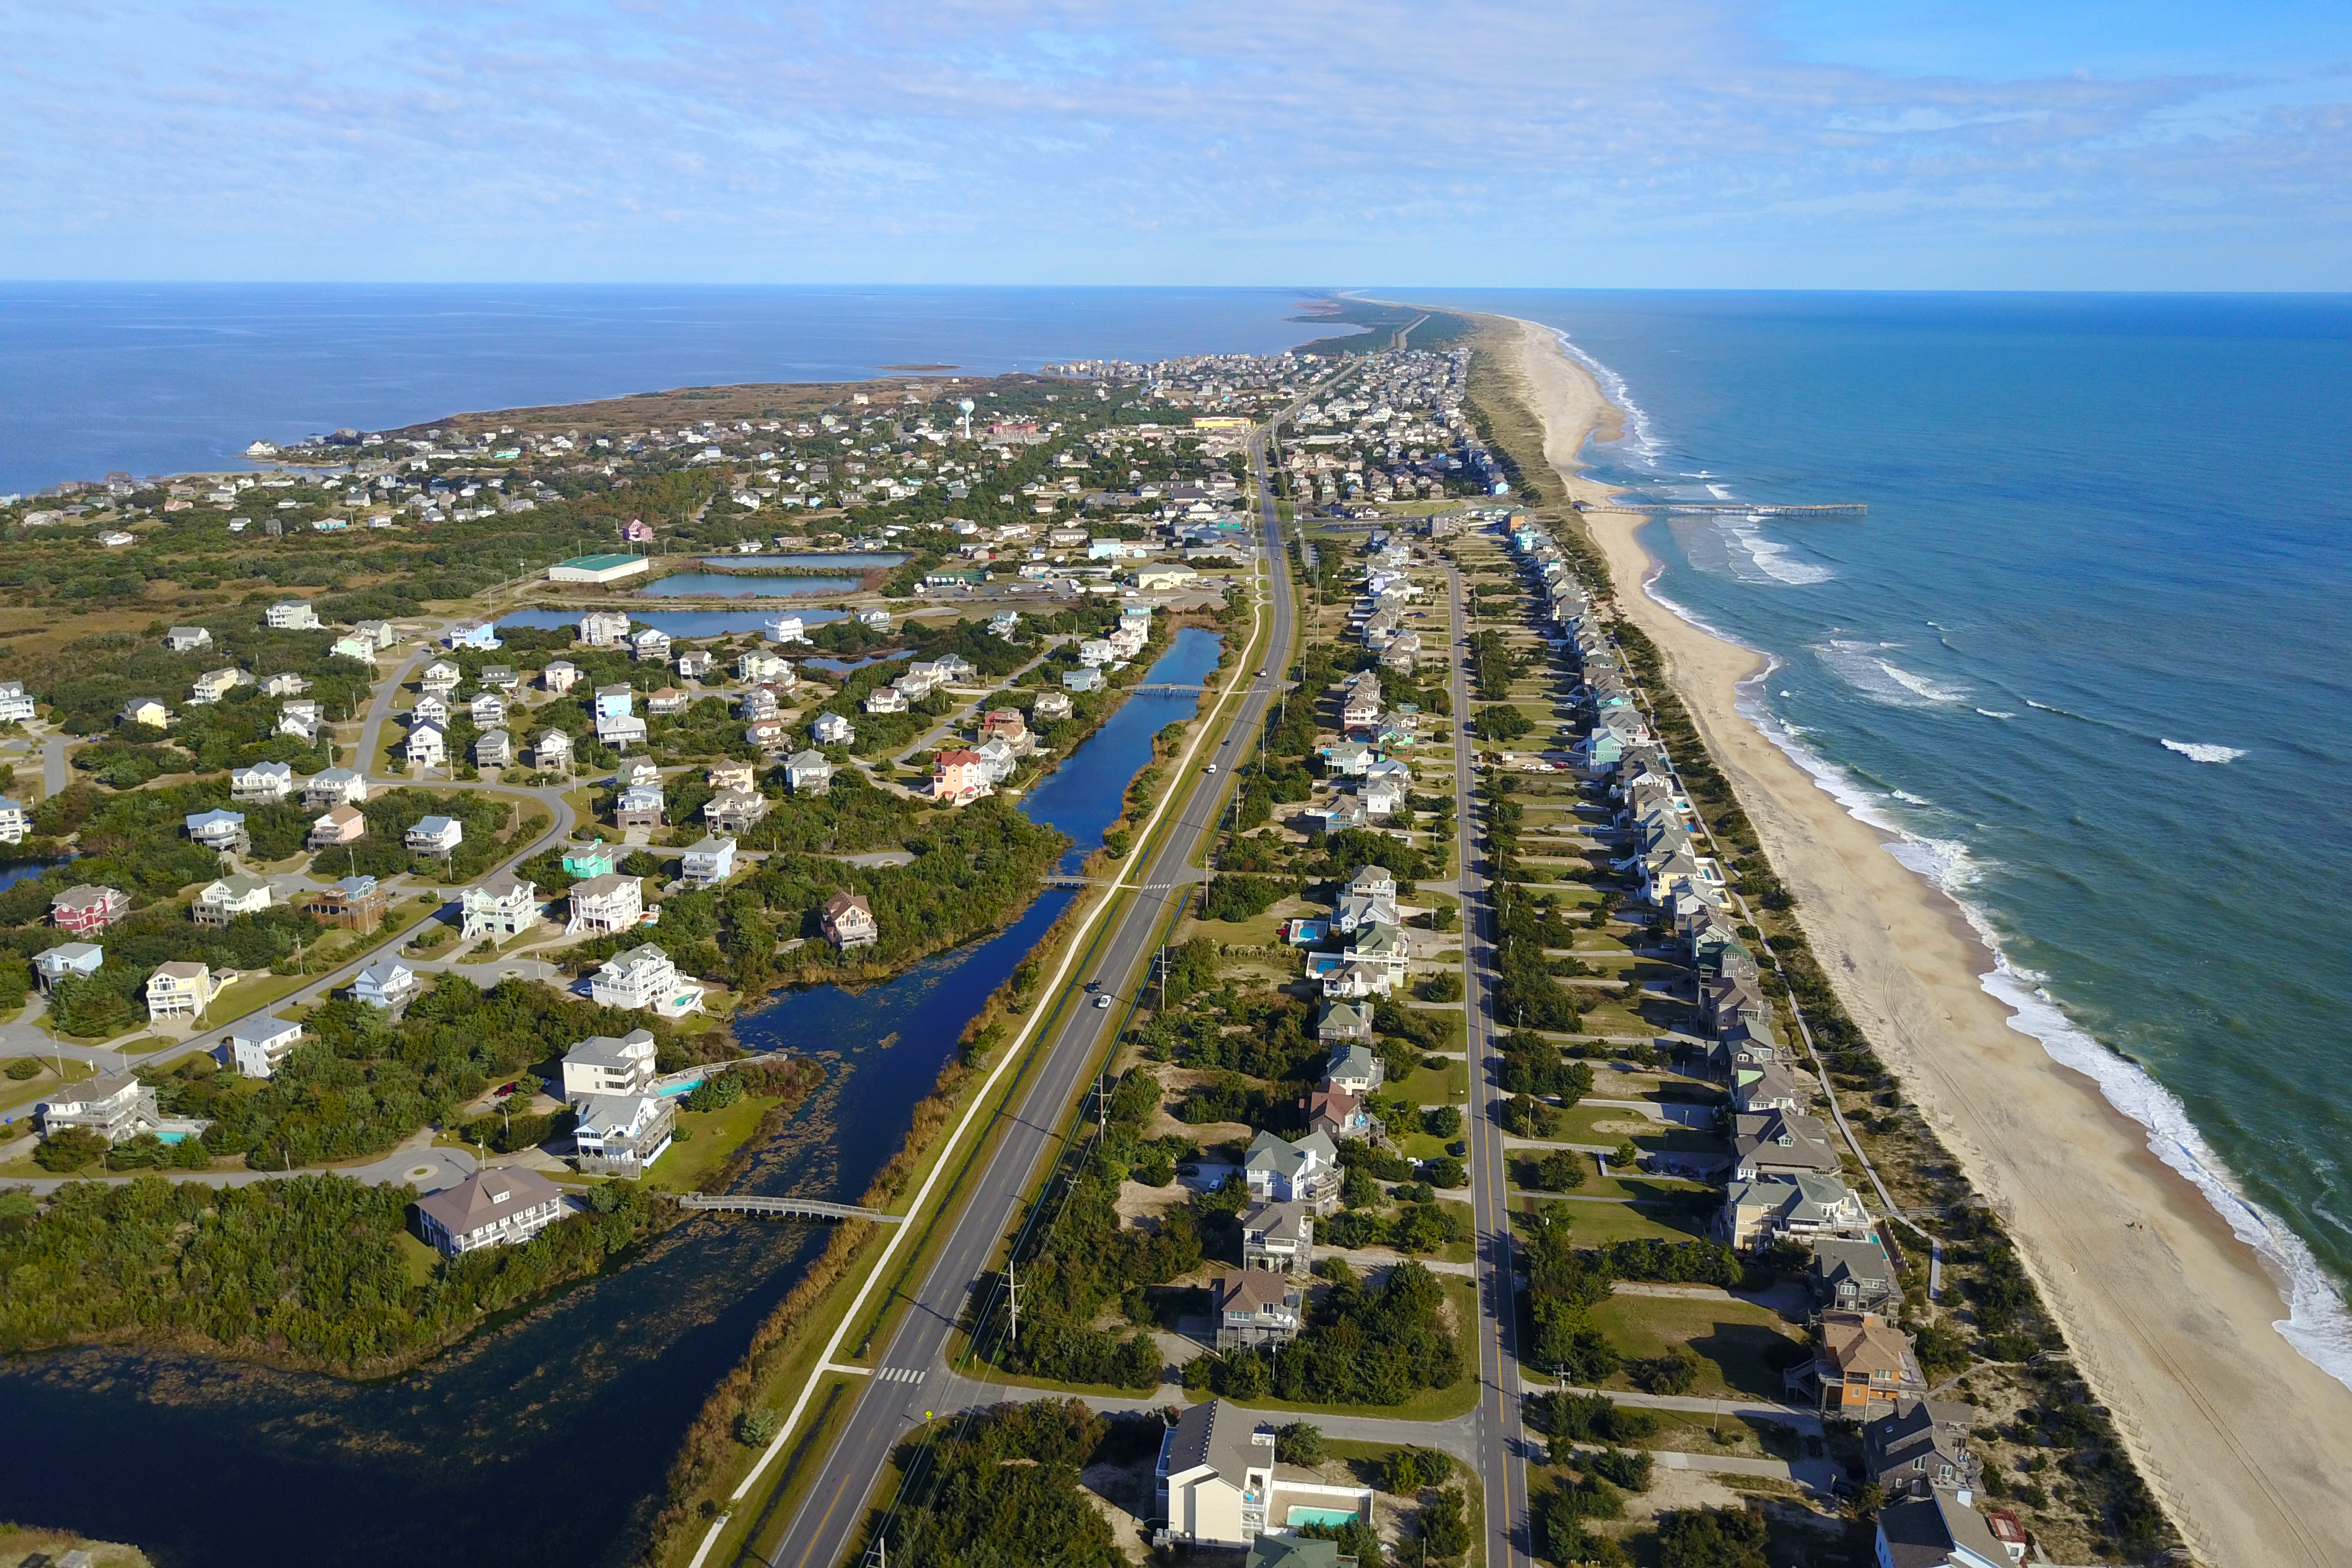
(2177, 1324)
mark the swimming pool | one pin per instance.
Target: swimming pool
(1296, 1516)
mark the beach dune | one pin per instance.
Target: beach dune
(2170, 1318)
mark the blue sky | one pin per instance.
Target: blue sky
(1817, 143)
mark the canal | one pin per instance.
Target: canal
(546, 1439)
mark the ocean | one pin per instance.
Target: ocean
(175, 378)
(2088, 654)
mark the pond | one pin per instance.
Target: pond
(546, 1439)
(850, 666)
(815, 561)
(719, 585)
(676, 622)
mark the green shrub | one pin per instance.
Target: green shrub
(70, 1149)
(24, 1067)
(1560, 1171)
(1299, 1443)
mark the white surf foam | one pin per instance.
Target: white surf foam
(1995, 713)
(1772, 559)
(1865, 667)
(2318, 1324)
(1641, 438)
(2200, 751)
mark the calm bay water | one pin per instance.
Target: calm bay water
(2088, 652)
(546, 1440)
(162, 378)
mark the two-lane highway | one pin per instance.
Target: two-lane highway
(892, 1400)
(1499, 1318)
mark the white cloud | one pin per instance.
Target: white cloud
(1034, 139)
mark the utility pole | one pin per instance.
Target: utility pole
(1013, 1302)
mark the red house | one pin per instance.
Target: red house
(88, 909)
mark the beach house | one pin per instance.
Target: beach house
(960, 776)
(503, 907)
(335, 787)
(262, 784)
(180, 989)
(708, 862)
(115, 1106)
(622, 1135)
(608, 903)
(388, 984)
(352, 903)
(606, 1064)
(337, 825)
(259, 1047)
(221, 830)
(85, 909)
(848, 922)
(1279, 1236)
(222, 901)
(1280, 1170)
(644, 978)
(508, 1204)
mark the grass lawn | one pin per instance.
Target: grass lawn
(1447, 1085)
(19, 1092)
(1741, 1347)
(715, 1136)
(1608, 1123)
(1598, 1224)
(420, 1260)
(1258, 931)
(1421, 1146)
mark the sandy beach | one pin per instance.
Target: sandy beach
(2169, 1316)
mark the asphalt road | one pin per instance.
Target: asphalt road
(1500, 1444)
(911, 1377)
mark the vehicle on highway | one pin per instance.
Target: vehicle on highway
(1102, 1001)
(1211, 768)
(1093, 985)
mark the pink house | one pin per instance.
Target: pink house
(959, 775)
(638, 532)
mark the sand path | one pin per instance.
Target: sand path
(2246, 1442)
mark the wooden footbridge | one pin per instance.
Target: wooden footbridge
(782, 1207)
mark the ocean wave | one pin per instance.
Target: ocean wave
(1771, 558)
(2061, 713)
(1908, 798)
(2317, 1324)
(1861, 666)
(2203, 751)
(1995, 713)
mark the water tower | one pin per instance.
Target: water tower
(965, 405)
